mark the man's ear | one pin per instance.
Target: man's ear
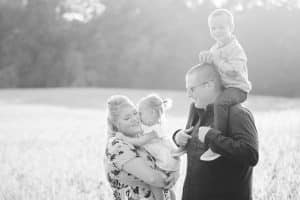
(115, 127)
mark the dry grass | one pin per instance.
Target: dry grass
(52, 143)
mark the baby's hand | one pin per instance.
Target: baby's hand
(215, 59)
(153, 134)
(205, 57)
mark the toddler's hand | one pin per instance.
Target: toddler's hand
(205, 57)
(153, 134)
(215, 59)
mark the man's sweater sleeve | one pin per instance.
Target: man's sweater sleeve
(242, 145)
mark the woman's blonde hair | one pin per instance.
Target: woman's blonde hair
(114, 106)
(156, 103)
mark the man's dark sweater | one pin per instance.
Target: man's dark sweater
(230, 176)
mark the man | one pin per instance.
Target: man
(229, 177)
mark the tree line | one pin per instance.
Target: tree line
(141, 44)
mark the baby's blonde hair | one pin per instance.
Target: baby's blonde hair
(156, 103)
(222, 11)
(114, 106)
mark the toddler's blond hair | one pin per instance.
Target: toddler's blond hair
(222, 11)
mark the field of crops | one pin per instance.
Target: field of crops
(52, 143)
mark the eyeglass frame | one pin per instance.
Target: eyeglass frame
(202, 85)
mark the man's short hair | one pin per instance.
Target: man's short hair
(206, 70)
(207, 67)
(222, 11)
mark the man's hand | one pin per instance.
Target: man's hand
(202, 132)
(182, 137)
(172, 179)
(205, 57)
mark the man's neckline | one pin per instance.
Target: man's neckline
(208, 108)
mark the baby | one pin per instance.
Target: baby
(231, 62)
(152, 109)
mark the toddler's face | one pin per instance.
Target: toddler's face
(148, 116)
(220, 28)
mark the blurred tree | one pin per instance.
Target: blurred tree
(137, 43)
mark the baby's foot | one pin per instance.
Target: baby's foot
(209, 155)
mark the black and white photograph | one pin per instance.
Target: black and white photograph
(149, 100)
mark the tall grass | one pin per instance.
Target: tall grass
(52, 147)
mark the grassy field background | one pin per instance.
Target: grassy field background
(52, 143)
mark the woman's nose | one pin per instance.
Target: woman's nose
(135, 119)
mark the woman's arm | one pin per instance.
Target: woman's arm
(139, 141)
(142, 171)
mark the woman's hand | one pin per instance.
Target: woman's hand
(172, 179)
(140, 169)
(152, 135)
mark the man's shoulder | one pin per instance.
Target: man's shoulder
(240, 112)
(241, 119)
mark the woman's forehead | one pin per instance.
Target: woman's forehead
(127, 110)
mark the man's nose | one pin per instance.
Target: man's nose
(189, 93)
(188, 90)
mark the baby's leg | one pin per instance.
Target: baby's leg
(158, 193)
(172, 194)
(228, 97)
(178, 152)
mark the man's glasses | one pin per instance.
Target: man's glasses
(201, 85)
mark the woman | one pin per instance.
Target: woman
(131, 171)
